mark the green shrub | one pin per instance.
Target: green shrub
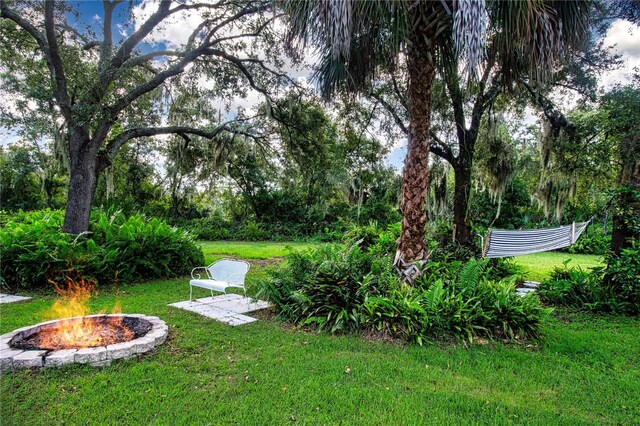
(508, 314)
(326, 286)
(363, 236)
(569, 287)
(252, 231)
(117, 249)
(592, 241)
(350, 289)
(622, 279)
(33, 250)
(135, 247)
(614, 289)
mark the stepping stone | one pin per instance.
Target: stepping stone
(226, 308)
(531, 284)
(8, 298)
(524, 291)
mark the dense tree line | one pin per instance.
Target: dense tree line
(450, 77)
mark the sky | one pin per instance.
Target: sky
(623, 36)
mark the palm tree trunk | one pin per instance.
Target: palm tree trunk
(415, 180)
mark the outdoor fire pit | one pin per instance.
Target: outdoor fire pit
(95, 339)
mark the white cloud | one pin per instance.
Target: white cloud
(122, 30)
(624, 39)
(8, 136)
(624, 36)
(174, 31)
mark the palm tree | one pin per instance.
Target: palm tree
(357, 40)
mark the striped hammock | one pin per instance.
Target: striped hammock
(509, 242)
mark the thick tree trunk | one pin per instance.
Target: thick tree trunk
(82, 185)
(627, 213)
(415, 180)
(462, 192)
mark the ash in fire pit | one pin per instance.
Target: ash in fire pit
(95, 340)
(84, 332)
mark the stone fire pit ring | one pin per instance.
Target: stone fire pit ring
(14, 358)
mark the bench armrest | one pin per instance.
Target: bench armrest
(232, 275)
(197, 276)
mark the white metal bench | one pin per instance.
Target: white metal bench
(220, 275)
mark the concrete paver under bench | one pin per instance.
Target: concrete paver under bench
(9, 298)
(226, 308)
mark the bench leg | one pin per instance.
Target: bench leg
(211, 294)
(190, 292)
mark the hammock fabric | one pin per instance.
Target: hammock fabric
(508, 242)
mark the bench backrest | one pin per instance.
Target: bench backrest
(231, 271)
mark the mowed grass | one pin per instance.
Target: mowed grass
(250, 250)
(538, 266)
(585, 371)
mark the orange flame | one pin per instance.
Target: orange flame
(73, 299)
(86, 332)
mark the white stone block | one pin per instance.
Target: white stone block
(159, 336)
(7, 336)
(144, 344)
(91, 355)
(122, 350)
(29, 359)
(6, 358)
(4, 343)
(60, 358)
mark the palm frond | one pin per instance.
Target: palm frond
(470, 24)
(532, 36)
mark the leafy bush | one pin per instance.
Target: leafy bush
(326, 286)
(350, 289)
(592, 241)
(117, 248)
(252, 231)
(622, 278)
(33, 250)
(616, 289)
(363, 235)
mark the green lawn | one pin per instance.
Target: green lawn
(585, 371)
(538, 266)
(249, 250)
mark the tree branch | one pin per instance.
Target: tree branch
(107, 41)
(401, 97)
(553, 114)
(127, 135)
(140, 59)
(392, 111)
(238, 63)
(43, 44)
(58, 75)
(441, 149)
(124, 52)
